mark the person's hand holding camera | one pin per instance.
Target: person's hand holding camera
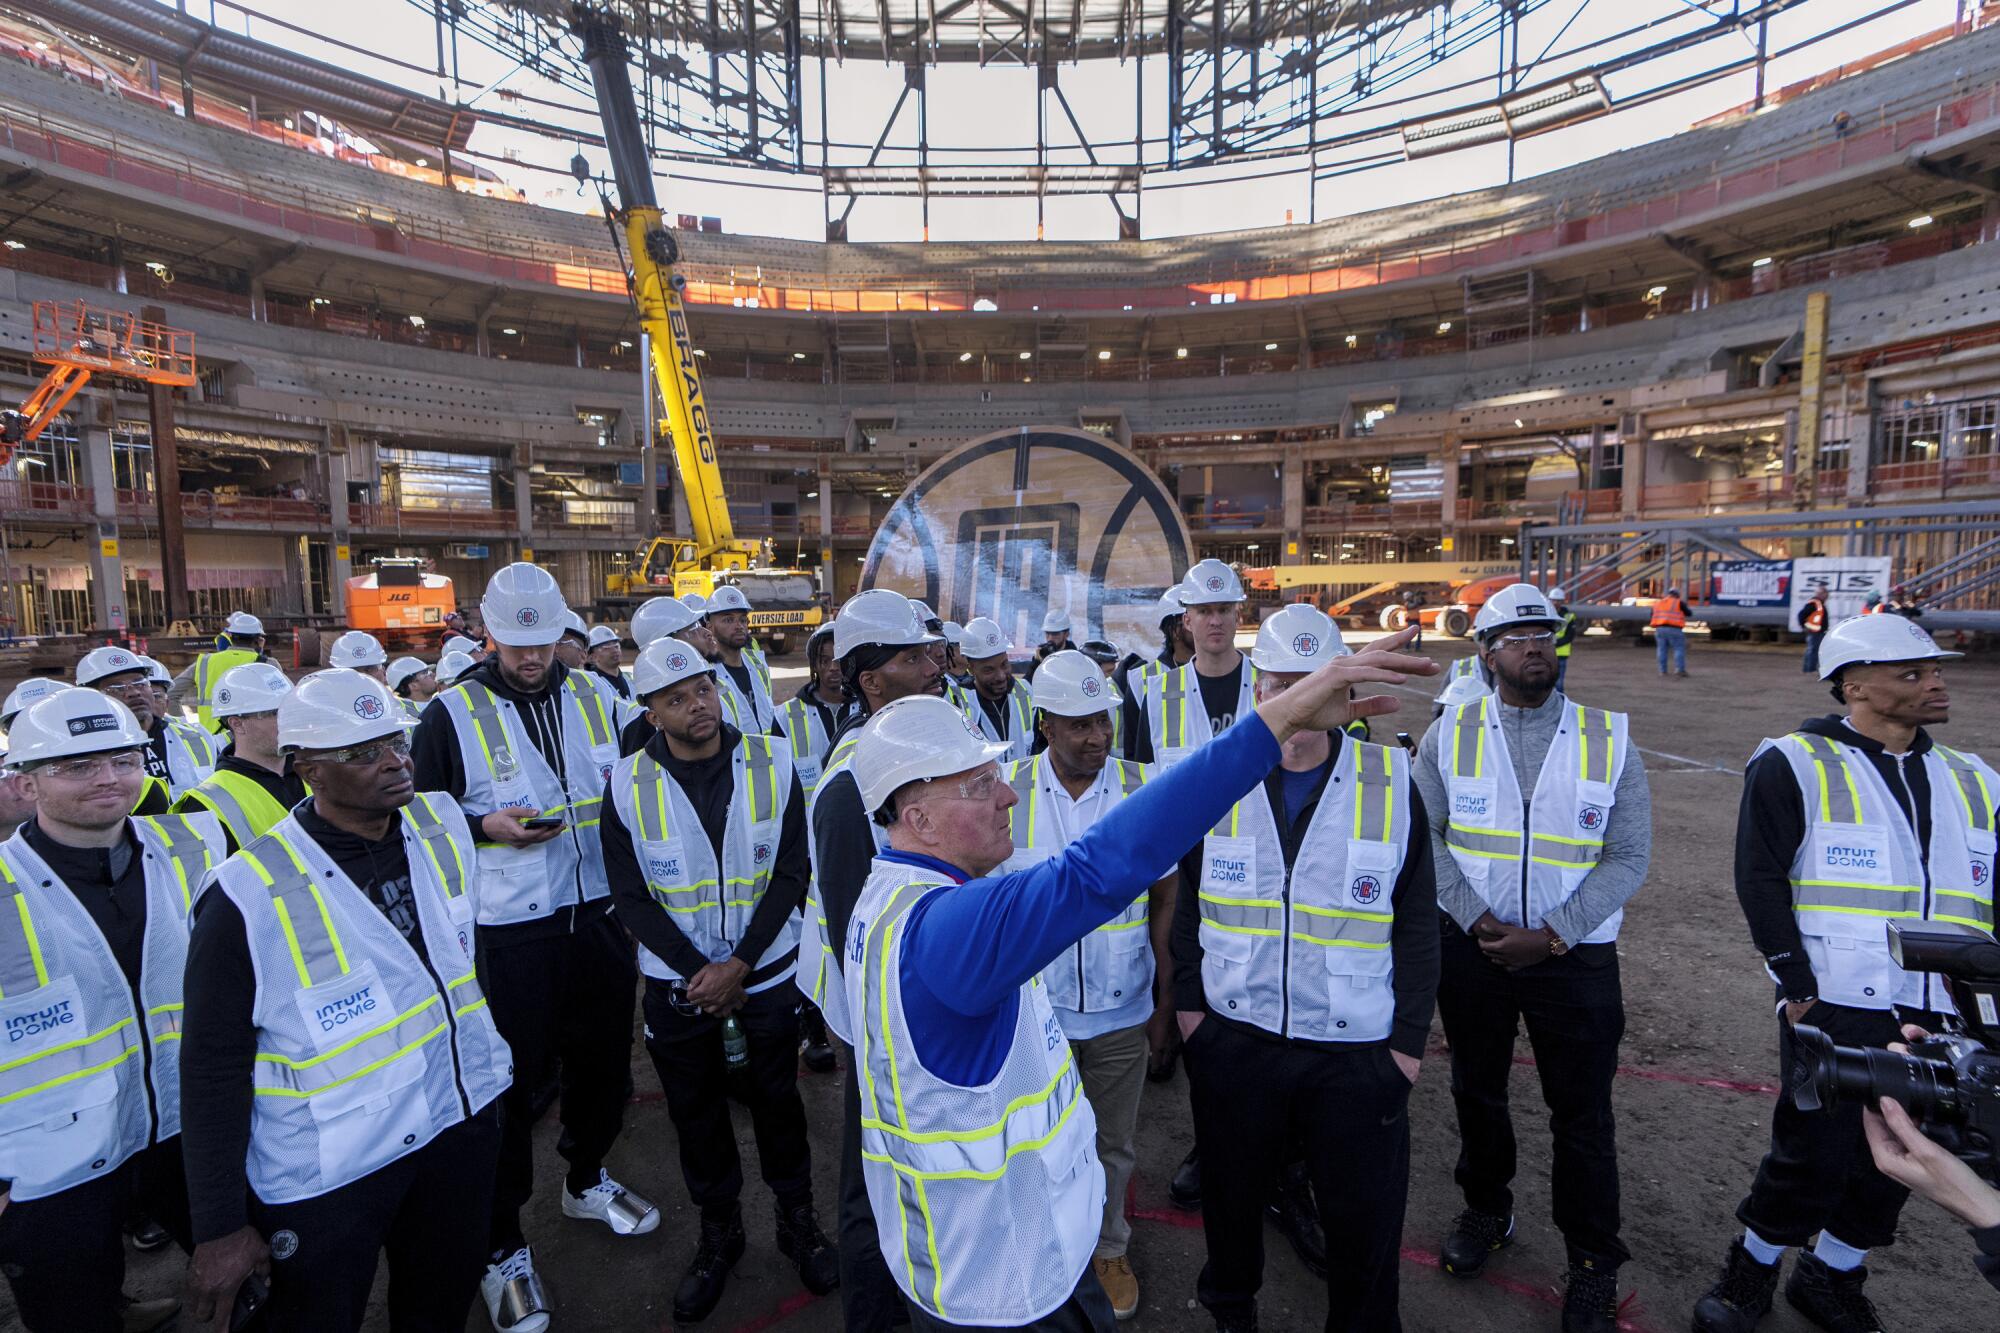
(1906, 1156)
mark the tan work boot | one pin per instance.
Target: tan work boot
(1115, 1275)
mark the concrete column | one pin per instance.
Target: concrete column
(292, 597)
(1292, 483)
(524, 500)
(1861, 446)
(1633, 480)
(340, 556)
(1448, 491)
(258, 310)
(826, 526)
(107, 566)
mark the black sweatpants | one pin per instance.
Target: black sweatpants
(1819, 1173)
(1574, 1011)
(1088, 1310)
(870, 1300)
(64, 1255)
(424, 1210)
(687, 1051)
(1349, 1108)
(566, 996)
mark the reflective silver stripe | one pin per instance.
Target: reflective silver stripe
(218, 798)
(486, 720)
(1468, 741)
(1565, 851)
(1021, 778)
(1173, 696)
(1340, 928)
(762, 776)
(1970, 908)
(187, 851)
(437, 841)
(798, 728)
(1375, 794)
(1866, 899)
(592, 708)
(22, 968)
(1483, 842)
(649, 800)
(281, 1076)
(1971, 789)
(1249, 916)
(1131, 776)
(302, 913)
(1839, 800)
(1586, 734)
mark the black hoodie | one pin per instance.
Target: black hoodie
(1771, 825)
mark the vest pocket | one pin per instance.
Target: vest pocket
(34, 1026)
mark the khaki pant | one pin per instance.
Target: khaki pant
(1113, 1067)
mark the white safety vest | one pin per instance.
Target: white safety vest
(1304, 952)
(806, 738)
(1860, 867)
(1176, 718)
(711, 904)
(1112, 965)
(1020, 737)
(503, 768)
(190, 758)
(1569, 811)
(754, 713)
(1463, 668)
(84, 1075)
(988, 1199)
(365, 1052)
(820, 975)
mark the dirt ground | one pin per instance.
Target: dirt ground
(1693, 1099)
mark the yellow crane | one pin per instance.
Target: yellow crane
(782, 601)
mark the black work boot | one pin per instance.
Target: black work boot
(1831, 1297)
(1292, 1209)
(1473, 1239)
(1243, 1321)
(720, 1246)
(812, 1039)
(1590, 1304)
(1184, 1190)
(1740, 1297)
(801, 1241)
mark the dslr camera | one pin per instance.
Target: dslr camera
(1949, 1082)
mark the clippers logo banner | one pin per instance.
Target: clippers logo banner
(1029, 521)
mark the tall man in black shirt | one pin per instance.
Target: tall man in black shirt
(714, 916)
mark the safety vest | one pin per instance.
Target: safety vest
(1568, 812)
(1178, 720)
(958, 696)
(1670, 612)
(820, 973)
(244, 805)
(503, 768)
(988, 1199)
(1461, 669)
(1303, 951)
(208, 669)
(411, 710)
(711, 904)
(365, 1051)
(806, 737)
(1859, 866)
(80, 1089)
(1020, 737)
(752, 713)
(1566, 636)
(190, 758)
(1113, 965)
(1813, 616)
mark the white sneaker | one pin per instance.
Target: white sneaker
(514, 1296)
(612, 1204)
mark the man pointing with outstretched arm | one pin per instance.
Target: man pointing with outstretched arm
(978, 1145)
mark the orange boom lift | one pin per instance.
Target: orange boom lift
(76, 341)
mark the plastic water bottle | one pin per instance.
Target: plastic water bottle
(735, 1047)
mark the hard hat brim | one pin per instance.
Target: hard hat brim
(1826, 672)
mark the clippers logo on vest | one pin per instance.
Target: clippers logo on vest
(1979, 872)
(761, 852)
(349, 1008)
(366, 707)
(1366, 889)
(1591, 817)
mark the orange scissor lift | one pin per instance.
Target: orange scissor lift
(76, 341)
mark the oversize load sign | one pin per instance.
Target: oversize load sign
(1034, 520)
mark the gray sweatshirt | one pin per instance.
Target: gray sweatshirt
(1628, 834)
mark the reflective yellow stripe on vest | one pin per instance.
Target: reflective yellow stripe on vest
(491, 729)
(649, 801)
(243, 805)
(464, 992)
(1840, 803)
(1468, 760)
(187, 853)
(24, 969)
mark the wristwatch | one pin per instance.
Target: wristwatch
(1558, 946)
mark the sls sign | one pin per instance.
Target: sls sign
(1034, 520)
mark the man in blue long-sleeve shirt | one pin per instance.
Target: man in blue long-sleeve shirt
(977, 1142)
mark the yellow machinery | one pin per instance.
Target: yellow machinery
(712, 553)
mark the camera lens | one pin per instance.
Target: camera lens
(1823, 1075)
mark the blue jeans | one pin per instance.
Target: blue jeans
(1811, 664)
(1668, 638)
(1562, 673)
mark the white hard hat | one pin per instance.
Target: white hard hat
(1070, 684)
(1516, 604)
(336, 708)
(241, 624)
(878, 616)
(403, 668)
(1462, 690)
(99, 663)
(453, 665)
(914, 738)
(1862, 640)
(69, 723)
(156, 671)
(924, 613)
(659, 618)
(954, 633)
(1056, 622)
(523, 607)
(666, 662)
(601, 635)
(1556, 594)
(254, 687)
(572, 623)
(357, 648)
(1169, 606)
(984, 638)
(1297, 639)
(694, 602)
(32, 690)
(458, 643)
(1209, 583)
(728, 597)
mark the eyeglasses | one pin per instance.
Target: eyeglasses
(141, 685)
(1523, 640)
(369, 754)
(979, 787)
(82, 770)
